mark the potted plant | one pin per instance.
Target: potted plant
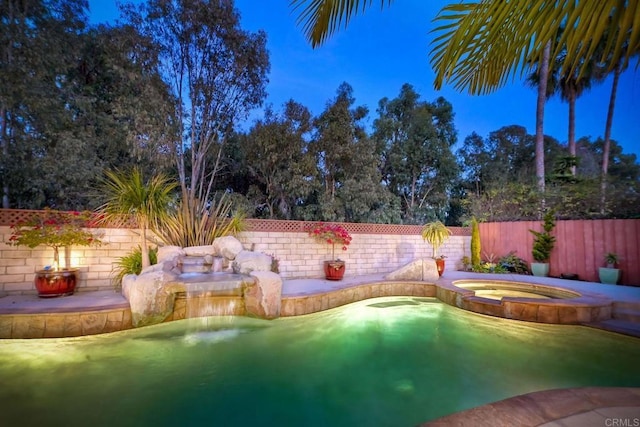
(609, 274)
(332, 234)
(436, 233)
(57, 230)
(543, 244)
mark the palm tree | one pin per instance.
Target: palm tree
(128, 196)
(570, 87)
(542, 97)
(481, 44)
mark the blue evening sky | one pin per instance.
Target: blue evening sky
(383, 49)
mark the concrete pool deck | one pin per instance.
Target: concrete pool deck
(105, 311)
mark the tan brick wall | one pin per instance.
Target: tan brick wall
(19, 264)
(299, 255)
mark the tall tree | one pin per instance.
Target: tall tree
(542, 96)
(420, 166)
(217, 71)
(38, 42)
(570, 86)
(338, 131)
(277, 156)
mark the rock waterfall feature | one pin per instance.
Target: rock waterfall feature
(199, 272)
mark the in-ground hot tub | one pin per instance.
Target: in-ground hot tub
(531, 302)
(498, 290)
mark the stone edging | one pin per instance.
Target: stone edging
(586, 308)
(534, 409)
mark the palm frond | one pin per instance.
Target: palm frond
(320, 19)
(480, 46)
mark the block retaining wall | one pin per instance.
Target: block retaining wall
(299, 256)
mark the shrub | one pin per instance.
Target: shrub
(132, 264)
(475, 242)
(544, 242)
(514, 264)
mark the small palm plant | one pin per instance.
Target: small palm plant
(435, 233)
(128, 196)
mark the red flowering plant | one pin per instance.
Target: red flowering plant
(55, 229)
(332, 234)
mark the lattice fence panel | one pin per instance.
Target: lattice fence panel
(267, 225)
(13, 216)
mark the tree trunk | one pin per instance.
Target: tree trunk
(572, 127)
(607, 140)
(542, 97)
(4, 144)
(144, 248)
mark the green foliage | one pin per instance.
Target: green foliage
(514, 264)
(221, 75)
(475, 242)
(54, 229)
(131, 264)
(611, 258)
(498, 30)
(489, 267)
(277, 158)
(128, 196)
(190, 226)
(416, 138)
(544, 242)
(435, 233)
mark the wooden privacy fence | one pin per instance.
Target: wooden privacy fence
(580, 245)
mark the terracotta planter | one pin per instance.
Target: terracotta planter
(440, 266)
(334, 270)
(51, 283)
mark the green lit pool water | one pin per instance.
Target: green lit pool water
(381, 362)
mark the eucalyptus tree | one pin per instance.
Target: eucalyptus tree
(348, 166)
(216, 70)
(277, 157)
(417, 137)
(338, 132)
(38, 42)
(122, 101)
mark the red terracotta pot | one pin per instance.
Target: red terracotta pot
(51, 283)
(440, 266)
(334, 270)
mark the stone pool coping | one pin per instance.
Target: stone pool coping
(584, 307)
(87, 313)
(583, 406)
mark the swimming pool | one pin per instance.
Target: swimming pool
(394, 361)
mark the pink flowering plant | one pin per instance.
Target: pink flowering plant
(55, 229)
(332, 234)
